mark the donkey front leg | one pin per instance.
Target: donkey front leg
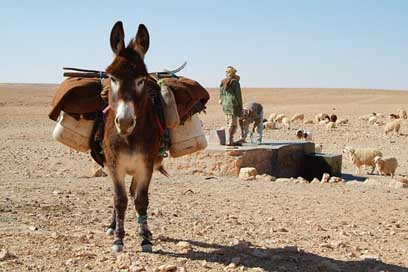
(120, 205)
(141, 203)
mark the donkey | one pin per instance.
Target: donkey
(132, 133)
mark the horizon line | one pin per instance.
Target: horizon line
(248, 87)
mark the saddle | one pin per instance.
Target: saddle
(84, 97)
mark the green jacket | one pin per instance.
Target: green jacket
(231, 97)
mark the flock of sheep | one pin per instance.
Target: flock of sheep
(368, 157)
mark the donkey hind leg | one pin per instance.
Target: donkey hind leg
(112, 225)
(120, 205)
(141, 199)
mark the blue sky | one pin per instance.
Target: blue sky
(327, 43)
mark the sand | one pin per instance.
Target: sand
(53, 214)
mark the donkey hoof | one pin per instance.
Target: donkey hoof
(147, 246)
(110, 231)
(117, 246)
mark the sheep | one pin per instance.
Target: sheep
(386, 166)
(403, 114)
(279, 118)
(298, 116)
(286, 122)
(324, 122)
(372, 120)
(333, 118)
(392, 126)
(342, 121)
(321, 116)
(269, 125)
(367, 116)
(304, 135)
(362, 157)
(330, 125)
(272, 117)
(318, 148)
(308, 122)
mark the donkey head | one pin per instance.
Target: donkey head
(128, 74)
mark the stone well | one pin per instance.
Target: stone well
(279, 159)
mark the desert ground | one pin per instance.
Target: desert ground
(53, 213)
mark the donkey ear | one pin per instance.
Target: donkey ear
(117, 38)
(142, 40)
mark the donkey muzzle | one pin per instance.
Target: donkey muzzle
(125, 126)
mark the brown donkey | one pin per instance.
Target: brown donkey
(132, 133)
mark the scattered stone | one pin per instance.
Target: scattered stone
(315, 181)
(6, 255)
(335, 180)
(247, 173)
(325, 178)
(71, 262)
(123, 261)
(265, 177)
(136, 268)
(326, 245)
(402, 180)
(185, 246)
(282, 180)
(291, 249)
(240, 243)
(302, 180)
(205, 264)
(259, 253)
(398, 185)
(230, 267)
(282, 230)
(33, 228)
(55, 192)
(370, 257)
(99, 173)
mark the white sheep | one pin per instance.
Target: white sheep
(372, 120)
(403, 114)
(272, 117)
(318, 148)
(367, 116)
(324, 121)
(362, 157)
(298, 116)
(392, 126)
(321, 116)
(386, 166)
(286, 122)
(330, 125)
(304, 135)
(279, 117)
(269, 125)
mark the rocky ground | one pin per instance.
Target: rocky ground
(53, 214)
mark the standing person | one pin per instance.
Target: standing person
(252, 113)
(231, 101)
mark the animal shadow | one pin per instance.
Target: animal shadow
(273, 259)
